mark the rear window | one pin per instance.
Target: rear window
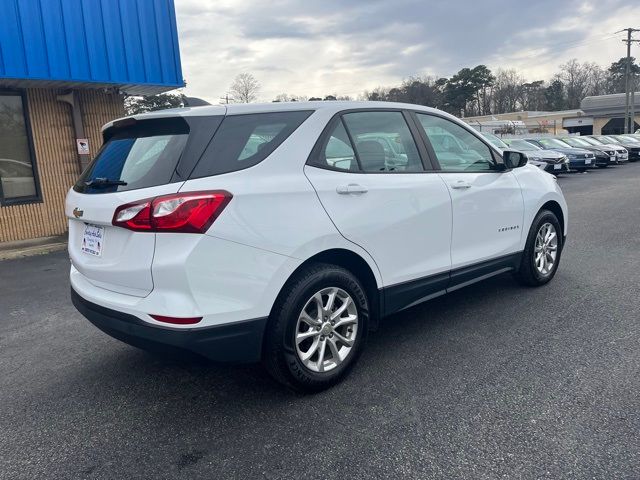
(138, 156)
(243, 141)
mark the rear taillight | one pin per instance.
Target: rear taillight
(191, 212)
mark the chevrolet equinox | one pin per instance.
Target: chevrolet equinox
(283, 232)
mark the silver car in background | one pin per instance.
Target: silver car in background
(500, 145)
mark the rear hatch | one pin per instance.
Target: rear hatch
(139, 159)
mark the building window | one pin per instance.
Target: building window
(17, 173)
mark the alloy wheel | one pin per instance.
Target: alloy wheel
(545, 251)
(326, 329)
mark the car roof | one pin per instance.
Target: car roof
(333, 106)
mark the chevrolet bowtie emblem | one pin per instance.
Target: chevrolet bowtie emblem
(77, 212)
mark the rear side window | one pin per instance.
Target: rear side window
(243, 141)
(138, 156)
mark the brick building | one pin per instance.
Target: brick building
(65, 68)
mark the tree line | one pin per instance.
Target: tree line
(470, 92)
(479, 91)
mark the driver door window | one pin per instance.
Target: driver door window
(455, 148)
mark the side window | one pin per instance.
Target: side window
(261, 136)
(337, 152)
(383, 142)
(456, 149)
(243, 141)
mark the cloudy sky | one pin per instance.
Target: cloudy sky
(317, 48)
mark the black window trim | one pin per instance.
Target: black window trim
(314, 157)
(308, 111)
(37, 198)
(497, 158)
(352, 142)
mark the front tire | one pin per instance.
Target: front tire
(541, 255)
(317, 328)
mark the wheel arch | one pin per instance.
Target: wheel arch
(357, 265)
(556, 209)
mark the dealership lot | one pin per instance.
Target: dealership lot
(493, 380)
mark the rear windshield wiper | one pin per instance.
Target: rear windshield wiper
(104, 182)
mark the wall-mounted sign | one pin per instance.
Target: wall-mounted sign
(83, 146)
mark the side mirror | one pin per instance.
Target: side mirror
(513, 159)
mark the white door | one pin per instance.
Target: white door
(488, 208)
(372, 183)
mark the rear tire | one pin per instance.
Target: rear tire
(542, 251)
(317, 328)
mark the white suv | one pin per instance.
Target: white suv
(284, 232)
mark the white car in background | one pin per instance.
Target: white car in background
(289, 251)
(501, 146)
(16, 178)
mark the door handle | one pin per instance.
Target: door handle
(352, 188)
(460, 185)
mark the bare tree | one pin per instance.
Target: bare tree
(581, 80)
(286, 97)
(377, 94)
(599, 80)
(506, 91)
(149, 103)
(532, 95)
(245, 88)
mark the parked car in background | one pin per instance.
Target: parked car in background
(554, 162)
(16, 178)
(622, 155)
(500, 145)
(495, 141)
(579, 158)
(631, 136)
(605, 155)
(179, 240)
(632, 147)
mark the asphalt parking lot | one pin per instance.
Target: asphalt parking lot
(493, 381)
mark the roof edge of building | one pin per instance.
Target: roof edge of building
(141, 88)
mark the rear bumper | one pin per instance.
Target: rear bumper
(238, 342)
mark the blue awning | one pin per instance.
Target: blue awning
(131, 45)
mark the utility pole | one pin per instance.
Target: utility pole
(632, 122)
(226, 98)
(628, 95)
